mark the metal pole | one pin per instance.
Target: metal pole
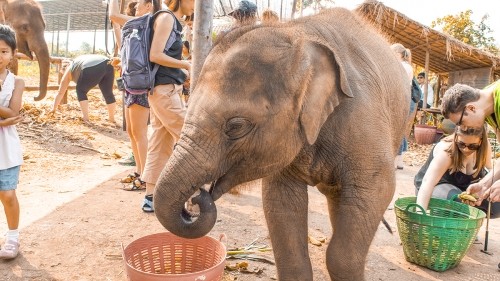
(202, 37)
(57, 48)
(68, 27)
(95, 35)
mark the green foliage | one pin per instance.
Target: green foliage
(463, 28)
(317, 3)
(86, 47)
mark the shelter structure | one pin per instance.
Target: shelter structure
(449, 58)
(64, 16)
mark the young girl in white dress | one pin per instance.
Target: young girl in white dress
(11, 158)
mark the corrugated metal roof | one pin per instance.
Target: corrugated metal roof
(89, 15)
(82, 15)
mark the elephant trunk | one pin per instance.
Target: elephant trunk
(42, 54)
(169, 200)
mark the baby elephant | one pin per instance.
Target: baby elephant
(319, 101)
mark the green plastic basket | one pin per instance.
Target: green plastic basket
(439, 238)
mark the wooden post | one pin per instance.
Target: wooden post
(426, 79)
(202, 37)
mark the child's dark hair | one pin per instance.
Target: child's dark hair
(8, 35)
(186, 44)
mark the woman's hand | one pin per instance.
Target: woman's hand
(493, 193)
(477, 188)
(11, 120)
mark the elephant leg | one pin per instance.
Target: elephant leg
(355, 214)
(285, 209)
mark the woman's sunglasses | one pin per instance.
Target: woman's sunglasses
(472, 146)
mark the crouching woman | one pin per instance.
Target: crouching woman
(453, 164)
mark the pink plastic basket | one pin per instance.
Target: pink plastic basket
(164, 256)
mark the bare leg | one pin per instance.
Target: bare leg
(11, 208)
(84, 105)
(111, 112)
(137, 118)
(285, 209)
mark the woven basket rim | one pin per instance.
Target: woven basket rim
(169, 275)
(481, 214)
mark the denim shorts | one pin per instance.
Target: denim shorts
(9, 178)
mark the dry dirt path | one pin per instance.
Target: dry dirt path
(74, 216)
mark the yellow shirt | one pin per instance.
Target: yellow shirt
(494, 123)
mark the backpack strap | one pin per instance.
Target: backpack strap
(170, 41)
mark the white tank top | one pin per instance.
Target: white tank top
(10, 145)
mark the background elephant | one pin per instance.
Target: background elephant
(25, 17)
(319, 101)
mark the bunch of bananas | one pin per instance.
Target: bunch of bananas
(464, 196)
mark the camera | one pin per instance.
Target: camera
(120, 84)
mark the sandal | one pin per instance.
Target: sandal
(130, 178)
(147, 204)
(137, 184)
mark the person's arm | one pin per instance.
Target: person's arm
(482, 188)
(118, 35)
(493, 193)
(16, 101)
(438, 166)
(66, 78)
(11, 121)
(114, 13)
(165, 23)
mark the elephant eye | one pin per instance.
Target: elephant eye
(237, 127)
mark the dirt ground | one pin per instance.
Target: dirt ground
(75, 217)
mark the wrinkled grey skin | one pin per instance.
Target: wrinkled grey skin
(320, 101)
(26, 19)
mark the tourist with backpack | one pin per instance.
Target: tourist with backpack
(136, 106)
(166, 105)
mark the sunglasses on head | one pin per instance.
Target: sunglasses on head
(471, 146)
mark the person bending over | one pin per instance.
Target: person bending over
(453, 164)
(87, 71)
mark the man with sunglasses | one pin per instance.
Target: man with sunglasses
(470, 108)
(453, 164)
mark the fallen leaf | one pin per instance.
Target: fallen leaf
(314, 241)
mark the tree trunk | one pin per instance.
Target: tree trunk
(202, 37)
(281, 10)
(294, 8)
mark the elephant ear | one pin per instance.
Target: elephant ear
(323, 84)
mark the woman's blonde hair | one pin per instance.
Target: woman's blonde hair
(401, 50)
(457, 157)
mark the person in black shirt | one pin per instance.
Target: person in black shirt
(166, 105)
(453, 164)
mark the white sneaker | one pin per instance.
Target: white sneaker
(9, 250)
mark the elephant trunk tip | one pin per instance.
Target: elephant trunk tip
(188, 224)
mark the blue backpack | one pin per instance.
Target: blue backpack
(138, 72)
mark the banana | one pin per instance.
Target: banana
(469, 197)
(314, 241)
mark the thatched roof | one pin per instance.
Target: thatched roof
(446, 53)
